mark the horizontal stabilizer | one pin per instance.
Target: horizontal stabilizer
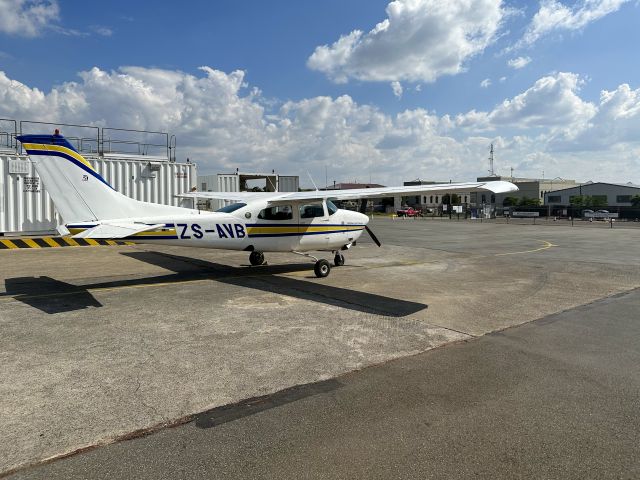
(106, 231)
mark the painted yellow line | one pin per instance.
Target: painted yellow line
(9, 244)
(546, 246)
(111, 242)
(91, 241)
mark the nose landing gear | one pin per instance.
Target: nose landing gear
(322, 268)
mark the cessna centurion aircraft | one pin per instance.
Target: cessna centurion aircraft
(259, 222)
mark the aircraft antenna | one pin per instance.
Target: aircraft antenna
(311, 178)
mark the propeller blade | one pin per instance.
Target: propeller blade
(373, 237)
(363, 205)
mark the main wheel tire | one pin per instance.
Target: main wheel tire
(322, 268)
(256, 258)
(338, 260)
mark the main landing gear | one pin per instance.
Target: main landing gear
(322, 267)
(256, 258)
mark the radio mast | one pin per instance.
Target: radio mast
(491, 170)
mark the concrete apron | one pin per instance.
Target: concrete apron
(96, 346)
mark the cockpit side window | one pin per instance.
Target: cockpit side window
(279, 212)
(331, 207)
(312, 210)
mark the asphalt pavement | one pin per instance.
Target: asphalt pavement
(554, 398)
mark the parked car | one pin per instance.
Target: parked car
(408, 212)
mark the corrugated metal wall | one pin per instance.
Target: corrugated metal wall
(25, 207)
(288, 183)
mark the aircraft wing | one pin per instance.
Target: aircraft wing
(383, 192)
(232, 196)
(107, 231)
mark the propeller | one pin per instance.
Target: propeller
(363, 210)
(373, 237)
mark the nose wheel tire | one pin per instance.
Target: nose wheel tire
(322, 268)
(256, 258)
(338, 260)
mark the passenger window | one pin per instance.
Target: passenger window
(312, 210)
(279, 212)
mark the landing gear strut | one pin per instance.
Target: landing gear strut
(338, 260)
(256, 258)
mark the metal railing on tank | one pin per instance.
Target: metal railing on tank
(8, 132)
(124, 143)
(85, 138)
(93, 140)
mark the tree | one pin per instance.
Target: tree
(529, 202)
(635, 201)
(577, 200)
(510, 202)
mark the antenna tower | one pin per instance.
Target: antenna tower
(491, 170)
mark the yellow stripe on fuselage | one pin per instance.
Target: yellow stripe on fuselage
(41, 147)
(302, 229)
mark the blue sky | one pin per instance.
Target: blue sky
(421, 95)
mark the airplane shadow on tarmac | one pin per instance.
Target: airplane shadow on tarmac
(265, 278)
(49, 295)
(53, 296)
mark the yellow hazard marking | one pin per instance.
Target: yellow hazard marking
(56, 242)
(51, 242)
(70, 241)
(8, 243)
(546, 245)
(31, 243)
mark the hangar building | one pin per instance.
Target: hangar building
(606, 194)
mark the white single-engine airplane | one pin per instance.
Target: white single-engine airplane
(259, 222)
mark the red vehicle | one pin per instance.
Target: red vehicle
(409, 212)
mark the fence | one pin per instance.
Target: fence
(93, 141)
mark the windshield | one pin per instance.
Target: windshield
(231, 208)
(331, 207)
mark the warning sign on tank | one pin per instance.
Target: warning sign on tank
(31, 184)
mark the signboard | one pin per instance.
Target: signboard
(457, 208)
(599, 215)
(525, 214)
(31, 184)
(445, 207)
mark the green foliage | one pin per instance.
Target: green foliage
(529, 202)
(455, 199)
(510, 202)
(588, 201)
(578, 200)
(635, 201)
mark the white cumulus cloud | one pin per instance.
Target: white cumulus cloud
(397, 89)
(519, 62)
(554, 16)
(420, 40)
(222, 123)
(27, 18)
(486, 83)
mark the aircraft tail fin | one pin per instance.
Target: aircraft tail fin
(78, 191)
